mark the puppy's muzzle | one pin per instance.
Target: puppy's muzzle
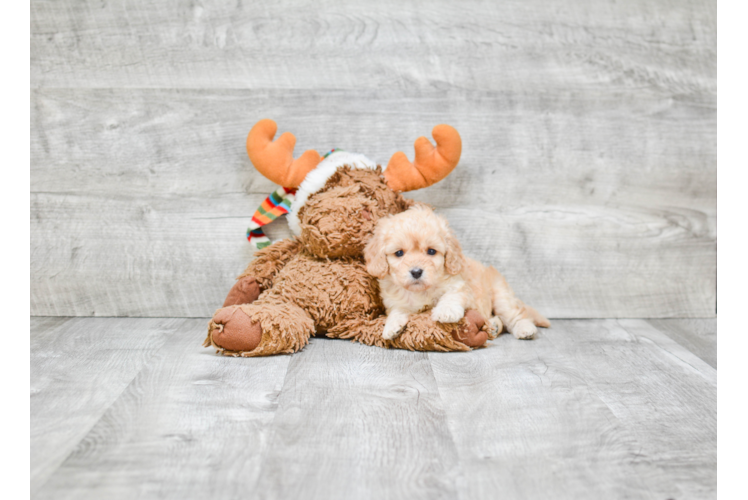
(416, 272)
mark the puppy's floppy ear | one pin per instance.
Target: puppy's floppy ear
(376, 260)
(453, 258)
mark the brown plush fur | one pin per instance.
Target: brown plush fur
(318, 283)
(270, 260)
(421, 334)
(337, 221)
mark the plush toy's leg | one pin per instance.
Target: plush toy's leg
(471, 331)
(259, 274)
(245, 291)
(269, 261)
(262, 328)
(420, 334)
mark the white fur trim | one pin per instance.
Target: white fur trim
(317, 178)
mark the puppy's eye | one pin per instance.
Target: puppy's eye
(431, 251)
(399, 253)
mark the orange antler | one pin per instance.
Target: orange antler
(275, 160)
(431, 165)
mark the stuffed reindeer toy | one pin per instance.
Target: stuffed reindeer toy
(316, 283)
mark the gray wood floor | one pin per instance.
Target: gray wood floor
(136, 408)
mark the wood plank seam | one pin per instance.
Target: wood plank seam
(156, 352)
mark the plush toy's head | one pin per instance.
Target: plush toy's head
(341, 197)
(337, 220)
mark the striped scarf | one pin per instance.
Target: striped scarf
(275, 205)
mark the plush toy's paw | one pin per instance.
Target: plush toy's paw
(524, 329)
(446, 312)
(393, 327)
(471, 331)
(232, 329)
(245, 291)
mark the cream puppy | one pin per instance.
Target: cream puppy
(419, 264)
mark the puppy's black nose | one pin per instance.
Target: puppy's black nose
(416, 272)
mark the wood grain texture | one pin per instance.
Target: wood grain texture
(590, 409)
(190, 425)
(665, 45)
(594, 203)
(699, 336)
(135, 408)
(79, 367)
(672, 388)
(359, 422)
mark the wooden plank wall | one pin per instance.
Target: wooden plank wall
(588, 173)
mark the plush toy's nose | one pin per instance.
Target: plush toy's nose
(416, 272)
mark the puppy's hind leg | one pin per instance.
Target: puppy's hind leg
(519, 319)
(538, 318)
(495, 326)
(523, 329)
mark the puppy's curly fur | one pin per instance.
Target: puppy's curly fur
(420, 265)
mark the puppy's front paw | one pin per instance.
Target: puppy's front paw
(392, 329)
(524, 329)
(447, 313)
